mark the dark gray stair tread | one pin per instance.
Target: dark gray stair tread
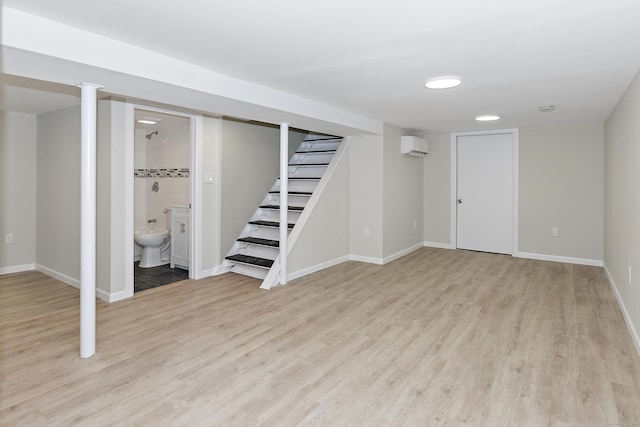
(295, 193)
(291, 208)
(308, 164)
(269, 223)
(316, 152)
(328, 138)
(259, 241)
(251, 260)
(304, 178)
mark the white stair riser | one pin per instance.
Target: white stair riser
(247, 270)
(304, 186)
(311, 158)
(273, 215)
(318, 145)
(262, 233)
(294, 200)
(302, 170)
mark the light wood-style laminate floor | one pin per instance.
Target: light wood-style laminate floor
(436, 338)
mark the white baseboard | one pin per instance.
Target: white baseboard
(438, 245)
(383, 261)
(402, 253)
(625, 313)
(555, 258)
(367, 259)
(105, 296)
(17, 269)
(113, 297)
(317, 267)
(204, 273)
(58, 276)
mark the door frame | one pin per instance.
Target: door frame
(195, 177)
(453, 227)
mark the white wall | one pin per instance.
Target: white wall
(324, 241)
(365, 198)
(622, 203)
(250, 159)
(103, 198)
(211, 208)
(403, 197)
(437, 175)
(17, 191)
(562, 185)
(112, 269)
(58, 193)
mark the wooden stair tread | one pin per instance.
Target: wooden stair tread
(269, 223)
(251, 260)
(291, 208)
(259, 241)
(308, 164)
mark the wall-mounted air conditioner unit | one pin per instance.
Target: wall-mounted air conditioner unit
(414, 146)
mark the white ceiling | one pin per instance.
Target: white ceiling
(373, 57)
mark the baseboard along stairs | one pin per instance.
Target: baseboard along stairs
(256, 251)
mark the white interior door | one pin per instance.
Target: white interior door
(485, 193)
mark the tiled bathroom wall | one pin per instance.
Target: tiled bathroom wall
(165, 159)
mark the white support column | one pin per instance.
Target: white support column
(284, 199)
(88, 118)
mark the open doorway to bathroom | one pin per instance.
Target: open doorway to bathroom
(162, 201)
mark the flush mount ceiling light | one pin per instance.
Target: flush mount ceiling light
(149, 121)
(547, 108)
(487, 117)
(443, 82)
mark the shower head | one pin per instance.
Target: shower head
(151, 134)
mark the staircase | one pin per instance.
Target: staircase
(257, 248)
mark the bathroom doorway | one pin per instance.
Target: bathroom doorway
(161, 197)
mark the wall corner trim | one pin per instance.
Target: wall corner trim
(367, 259)
(402, 253)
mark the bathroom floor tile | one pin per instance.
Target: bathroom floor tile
(147, 278)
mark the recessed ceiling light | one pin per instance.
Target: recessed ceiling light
(443, 82)
(547, 108)
(487, 117)
(149, 121)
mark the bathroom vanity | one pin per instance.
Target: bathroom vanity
(180, 219)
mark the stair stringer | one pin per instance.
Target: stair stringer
(273, 276)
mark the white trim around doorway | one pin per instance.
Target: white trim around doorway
(454, 182)
(196, 143)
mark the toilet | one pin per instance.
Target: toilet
(155, 246)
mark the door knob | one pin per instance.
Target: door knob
(459, 201)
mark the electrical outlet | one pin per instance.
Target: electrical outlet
(8, 238)
(367, 231)
(414, 224)
(629, 277)
(555, 232)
